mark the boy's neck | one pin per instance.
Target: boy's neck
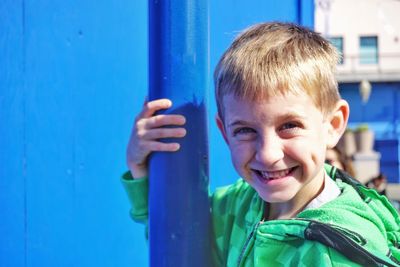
(288, 210)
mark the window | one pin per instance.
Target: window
(368, 50)
(338, 43)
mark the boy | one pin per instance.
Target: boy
(279, 110)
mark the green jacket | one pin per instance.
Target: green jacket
(359, 228)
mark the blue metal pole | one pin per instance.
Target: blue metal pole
(305, 12)
(179, 221)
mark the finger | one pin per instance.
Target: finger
(137, 153)
(163, 120)
(160, 146)
(149, 108)
(158, 133)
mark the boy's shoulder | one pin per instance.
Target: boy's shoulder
(360, 210)
(358, 213)
(358, 199)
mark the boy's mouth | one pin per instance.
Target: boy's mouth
(273, 175)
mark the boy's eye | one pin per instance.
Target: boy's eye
(243, 131)
(290, 126)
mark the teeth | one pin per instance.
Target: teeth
(275, 175)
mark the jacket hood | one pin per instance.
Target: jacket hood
(359, 216)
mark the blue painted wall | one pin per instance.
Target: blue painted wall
(73, 74)
(382, 113)
(227, 19)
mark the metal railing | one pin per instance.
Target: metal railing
(384, 63)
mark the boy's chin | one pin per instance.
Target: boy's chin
(282, 197)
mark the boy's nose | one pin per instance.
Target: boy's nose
(269, 151)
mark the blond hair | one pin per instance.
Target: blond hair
(271, 59)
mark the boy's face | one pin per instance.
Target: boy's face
(278, 145)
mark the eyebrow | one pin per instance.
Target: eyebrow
(237, 122)
(284, 117)
(291, 116)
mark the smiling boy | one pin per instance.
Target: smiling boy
(278, 147)
(279, 110)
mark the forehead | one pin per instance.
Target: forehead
(275, 107)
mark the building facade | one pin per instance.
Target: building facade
(367, 33)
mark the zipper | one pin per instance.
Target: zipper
(249, 238)
(336, 238)
(356, 237)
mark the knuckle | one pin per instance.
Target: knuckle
(175, 132)
(155, 120)
(140, 134)
(147, 106)
(139, 124)
(158, 146)
(162, 133)
(138, 121)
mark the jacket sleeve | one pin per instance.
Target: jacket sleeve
(137, 191)
(228, 205)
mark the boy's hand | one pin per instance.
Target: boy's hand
(148, 128)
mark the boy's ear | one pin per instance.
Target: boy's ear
(221, 127)
(338, 122)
